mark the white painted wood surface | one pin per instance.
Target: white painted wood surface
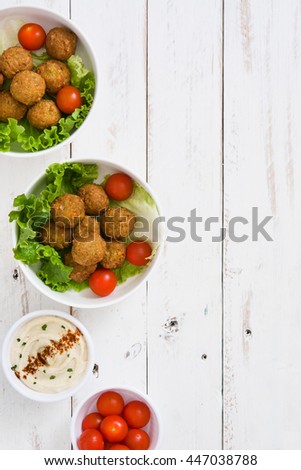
(203, 98)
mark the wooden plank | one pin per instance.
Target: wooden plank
(184, 299)
(18, 297)
(262, 169)
(117, 132)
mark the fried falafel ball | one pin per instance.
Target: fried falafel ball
(10, 108)
(55, 73)
(44, 114)
(79, 273)
(28, 87)
(114, 255)
(67, 210)
(60, 43)
(88, 226)
(94, 197)
(1, 79)
(15, 59)
(117, 222)
(89, 250)
(55, 236)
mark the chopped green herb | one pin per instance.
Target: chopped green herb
(44, 371)
(20, 355)
(23, 344)
(69, 370)
(18, 339)
(52, 377)
(68, 355)
(44, 327)
(69, 376)
(14, 367)
(34, 383)
(62, 326)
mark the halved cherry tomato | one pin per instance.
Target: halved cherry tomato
(92, 421)
(114, 428)
(103, 282)
(68, 99)
(138, 252)
(119, 447)
(110, 403)
(91, 439)
(137, 414)
(31, 36)
(119, 186)
(137, 439)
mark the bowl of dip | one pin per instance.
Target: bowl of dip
(47, 355)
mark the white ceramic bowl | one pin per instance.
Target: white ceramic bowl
(86, 298)
(18, 384)
(48, 19)
(88, 405)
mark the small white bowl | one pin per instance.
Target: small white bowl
(48, 19)
(86, 298)
(18, 384)
(88, 405)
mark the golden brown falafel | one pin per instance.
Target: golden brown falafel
(60, 43)
(114, 255)
(89, 250)
(1, 79)
(10, 108)
(88, 226)
(15, 59)
(117, 222)
(55, 236)
(56, 75)
(28, 87)
(44, 114)
(68, 210)
(79, 273)
(94, 197)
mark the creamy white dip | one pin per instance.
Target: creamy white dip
(49, 354)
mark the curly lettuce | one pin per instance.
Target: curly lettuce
(31, 212)
(22, 135)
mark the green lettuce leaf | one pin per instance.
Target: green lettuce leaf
(67, 178)
(127, 270)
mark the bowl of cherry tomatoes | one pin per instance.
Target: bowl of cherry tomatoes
(116, 418)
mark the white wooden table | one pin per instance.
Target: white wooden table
(203, 98)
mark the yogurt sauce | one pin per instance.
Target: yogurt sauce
(49, 354)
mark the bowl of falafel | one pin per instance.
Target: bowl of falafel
(48, 76)
(87, 232)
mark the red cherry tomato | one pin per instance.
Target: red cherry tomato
(31, 36)
(68, 99)
(90, 439)
(110, 403)
(136, 413)
(114, 428)
(137, 439)
(92, 421)
(119, 186)
(103, 282)
(138, 252)
(119, 447)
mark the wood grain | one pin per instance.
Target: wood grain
(262, 279)
(184, 297)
